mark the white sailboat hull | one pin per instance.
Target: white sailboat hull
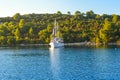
(55, 45)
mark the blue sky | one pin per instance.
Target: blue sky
(10, 7)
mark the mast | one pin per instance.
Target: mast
(53, 33)
(56, 29)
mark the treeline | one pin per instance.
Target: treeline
(77, 27)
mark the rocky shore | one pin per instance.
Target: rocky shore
(72, 44)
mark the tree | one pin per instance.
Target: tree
(77, 13)
(4, 29)
(10, 40)
(90, 14)
(31, 33)
(107, 32)
(98, 17)
(59, 13)
(1, 32)
(104, 16)
(17, 35)
(17, 16)
(69, 13)
(43, 35)
(3, 40)
(115, 18)
(21, 23)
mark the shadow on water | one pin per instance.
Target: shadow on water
(93, 46)
(32, 51)
(28, 55)
(26, 51)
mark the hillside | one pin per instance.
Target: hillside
(77, 27)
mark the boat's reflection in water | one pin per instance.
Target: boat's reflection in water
(55, 62)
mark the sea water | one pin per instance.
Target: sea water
(68, 63)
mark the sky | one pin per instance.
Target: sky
(10, 7)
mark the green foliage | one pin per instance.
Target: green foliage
(3, 40)
(31, 32)
(17, 16)
(80, 27)
(69, 13)
(21, 23)
(107, 32)
(59, 13)
(17, 33)
(115, 18)
(10, 40)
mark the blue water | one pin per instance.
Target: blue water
(70, 63)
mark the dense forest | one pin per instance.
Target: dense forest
(77, 27)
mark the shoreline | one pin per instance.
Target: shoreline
(68, 44)
(72, 44)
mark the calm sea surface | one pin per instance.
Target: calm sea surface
(69, 63)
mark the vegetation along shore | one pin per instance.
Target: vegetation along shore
(78, 27)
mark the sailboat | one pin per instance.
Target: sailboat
(56, 41)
